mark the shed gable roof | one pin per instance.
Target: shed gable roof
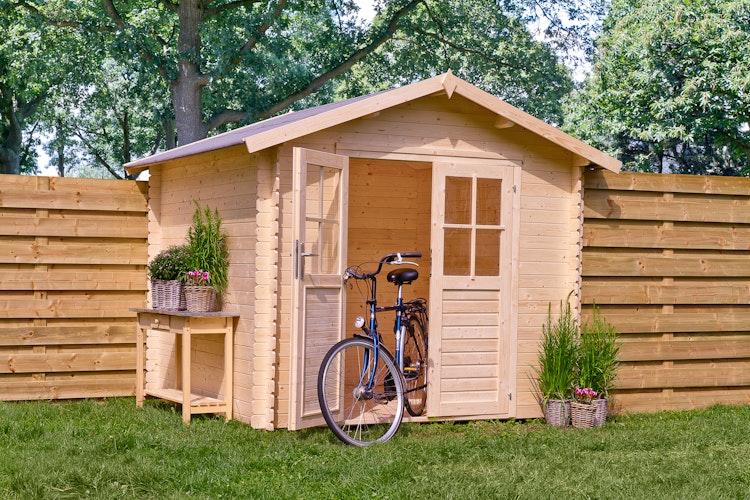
(283, 128)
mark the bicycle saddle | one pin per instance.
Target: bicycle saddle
(402, 276)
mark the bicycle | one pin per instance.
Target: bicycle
(363, 389)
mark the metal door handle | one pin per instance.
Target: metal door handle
(299, 268)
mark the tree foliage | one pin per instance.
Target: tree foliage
(670, 89)
(496, 52)
(167, 72)
(35, 61)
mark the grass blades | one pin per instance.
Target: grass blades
(111, 449)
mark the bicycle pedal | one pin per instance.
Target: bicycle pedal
(411, 372)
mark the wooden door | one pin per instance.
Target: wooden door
(320, 194)
(472, 325)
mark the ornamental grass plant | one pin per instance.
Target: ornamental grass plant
(558, 354)
(208, 245)
(598, 355)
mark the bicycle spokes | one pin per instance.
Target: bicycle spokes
(356, 413)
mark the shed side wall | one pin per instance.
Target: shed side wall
(550, 238)
(226, 180)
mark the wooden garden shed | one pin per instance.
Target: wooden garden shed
(490, 195)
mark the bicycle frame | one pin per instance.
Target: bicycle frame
(372, 330)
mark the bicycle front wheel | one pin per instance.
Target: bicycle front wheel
(362, 402)
(415, 366)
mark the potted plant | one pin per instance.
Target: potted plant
(598, 359)
(209, 259)
(165, 271)
(582, 409)
(556, 365)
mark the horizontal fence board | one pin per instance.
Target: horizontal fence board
(648, 401)
(70, 194)
(63, 279)
(123, 227)
(654, 207)
(694, 236)
(654, 320)
(598, 262)
(64, 335)
(72, 252)
(733, 373)
(101, 385)
(661, 183)
(664, 350)
(60, 308)
(83, 360)
(666, 259)
(628, 291)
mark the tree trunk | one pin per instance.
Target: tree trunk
(60, 149)
(10, 160)
(188, 87)
(10, 136)
(170, 135)
(125, 126)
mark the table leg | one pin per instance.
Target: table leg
(229, 368)
(140, 355)
(186, 375)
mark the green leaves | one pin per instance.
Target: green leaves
(598, 354)
(208, 246)
(569, 356)
(558, 353)
(170, 264)
(666, 94)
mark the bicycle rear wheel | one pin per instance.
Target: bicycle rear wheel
(356, 414)
(415, 366)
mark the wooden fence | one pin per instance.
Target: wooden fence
(667, 260)
(72, 262)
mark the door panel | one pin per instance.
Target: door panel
(471, 289)
(320, 194)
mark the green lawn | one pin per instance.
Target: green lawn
(111, 449)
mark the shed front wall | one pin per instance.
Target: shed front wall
(227, 180)
(435, 129)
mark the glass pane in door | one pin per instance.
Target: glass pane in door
(458, 200)
(457, 252)
(488, 201)
(322, 219)
(488, 252)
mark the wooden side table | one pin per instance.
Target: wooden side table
(183, 325)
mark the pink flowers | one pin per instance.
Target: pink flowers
(197, 278)
(585, 395)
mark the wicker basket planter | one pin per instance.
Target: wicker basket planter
(201, 299)
(582, 415)
(557, 412)
(168, 295)
(600, 415)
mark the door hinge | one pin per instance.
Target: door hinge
(510, 396)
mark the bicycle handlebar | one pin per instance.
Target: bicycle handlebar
(391, 258)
